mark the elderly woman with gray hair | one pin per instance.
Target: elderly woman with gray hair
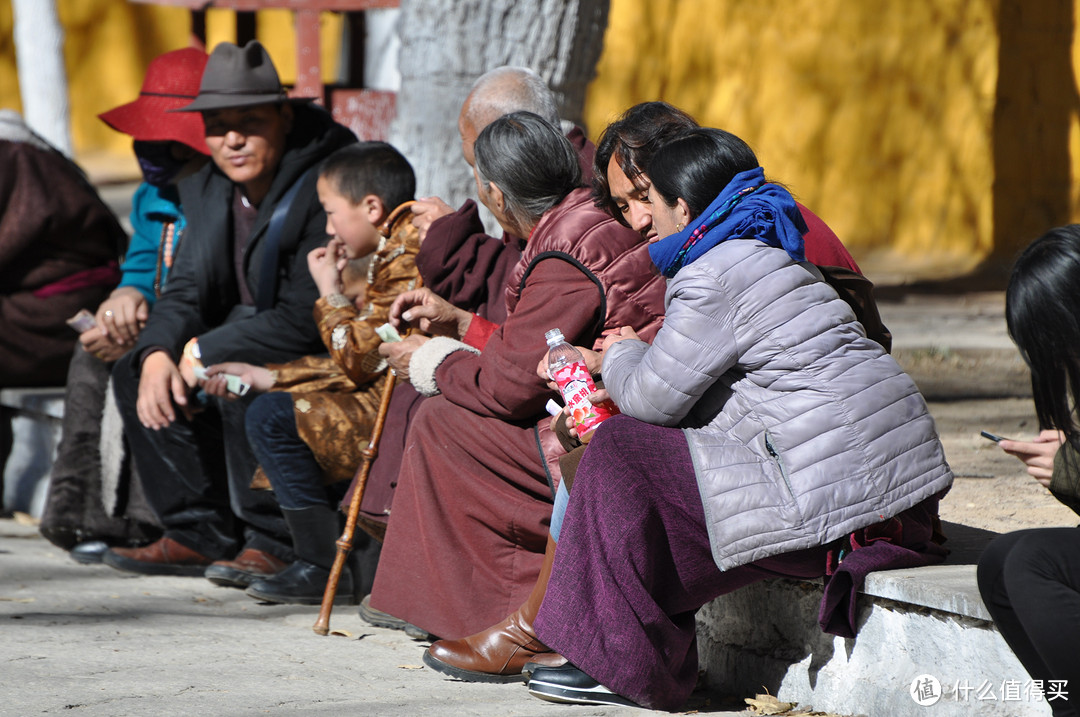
(467, 537)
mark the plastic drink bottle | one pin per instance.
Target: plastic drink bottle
(566, 367)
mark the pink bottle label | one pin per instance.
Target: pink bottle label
(577, 385)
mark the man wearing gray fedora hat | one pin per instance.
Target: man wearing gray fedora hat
(239, 290)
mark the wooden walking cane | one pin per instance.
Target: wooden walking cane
(345, 542)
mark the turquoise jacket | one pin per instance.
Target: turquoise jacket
(151, 209)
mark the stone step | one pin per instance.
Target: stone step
(921, 632)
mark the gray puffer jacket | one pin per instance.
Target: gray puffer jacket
(800, 428)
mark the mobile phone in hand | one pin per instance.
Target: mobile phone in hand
(991, 437)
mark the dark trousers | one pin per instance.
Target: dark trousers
(1030, 582)
(285, 458)
(75, 508)
(196, 476)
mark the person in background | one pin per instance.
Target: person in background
(94, 501)
(240, 290)
(1030, 579)
(59, 253)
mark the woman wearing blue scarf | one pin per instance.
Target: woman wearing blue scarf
(761, 432)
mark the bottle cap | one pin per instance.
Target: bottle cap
(553, 336)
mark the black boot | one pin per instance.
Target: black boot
(363, 560)
(315, 531)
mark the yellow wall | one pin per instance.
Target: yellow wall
(878, 115)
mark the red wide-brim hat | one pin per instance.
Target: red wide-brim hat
(172, 81)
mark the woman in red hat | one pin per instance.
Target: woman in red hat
(89, 506)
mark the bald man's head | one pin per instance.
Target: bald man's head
(500, 92)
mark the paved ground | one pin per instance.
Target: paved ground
(88, 640)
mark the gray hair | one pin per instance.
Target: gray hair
(510, 89)
(531, 161)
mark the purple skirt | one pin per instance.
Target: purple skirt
(634, 564)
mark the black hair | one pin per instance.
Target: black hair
(364, 168)
(696, 165)
(531, 161)
(632, 139)
(1041, 314)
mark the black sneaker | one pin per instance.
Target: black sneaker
(378, 618)
(568, 684)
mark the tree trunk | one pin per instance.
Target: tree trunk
(445, 46)
(39, 49)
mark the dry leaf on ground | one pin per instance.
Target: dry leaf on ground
(25, 519)
(769, 705)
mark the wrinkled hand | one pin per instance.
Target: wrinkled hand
(623, 333)
(594, 361)
(326, 264)
(1038, 454)
(429, 312)
(426, 210)
(595, 398)
(100, 346)
(399, 353)
(258, 377)
(122, 316)
(160, 387)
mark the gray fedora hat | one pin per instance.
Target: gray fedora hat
(239, 77)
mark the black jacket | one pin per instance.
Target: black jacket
(203, 298)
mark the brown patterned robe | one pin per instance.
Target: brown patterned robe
(336, 397)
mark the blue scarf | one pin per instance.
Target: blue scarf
(747, 208)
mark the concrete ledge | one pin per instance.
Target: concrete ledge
(30, 422)
(911, 623)
(41, 401)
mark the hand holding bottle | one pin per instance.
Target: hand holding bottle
(566, 366)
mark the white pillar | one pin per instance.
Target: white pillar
(39, 53)
(381, 48)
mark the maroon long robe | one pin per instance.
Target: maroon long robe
(472, 507)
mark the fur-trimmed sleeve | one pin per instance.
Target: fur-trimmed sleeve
(429, 357)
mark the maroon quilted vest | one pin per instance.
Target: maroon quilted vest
(614, 256)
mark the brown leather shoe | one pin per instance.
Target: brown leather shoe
(162, 557)
(499, 653)
(247, 567)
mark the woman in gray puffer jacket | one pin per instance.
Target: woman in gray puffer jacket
(763, 435)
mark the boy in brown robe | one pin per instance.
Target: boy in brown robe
(310, 428)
